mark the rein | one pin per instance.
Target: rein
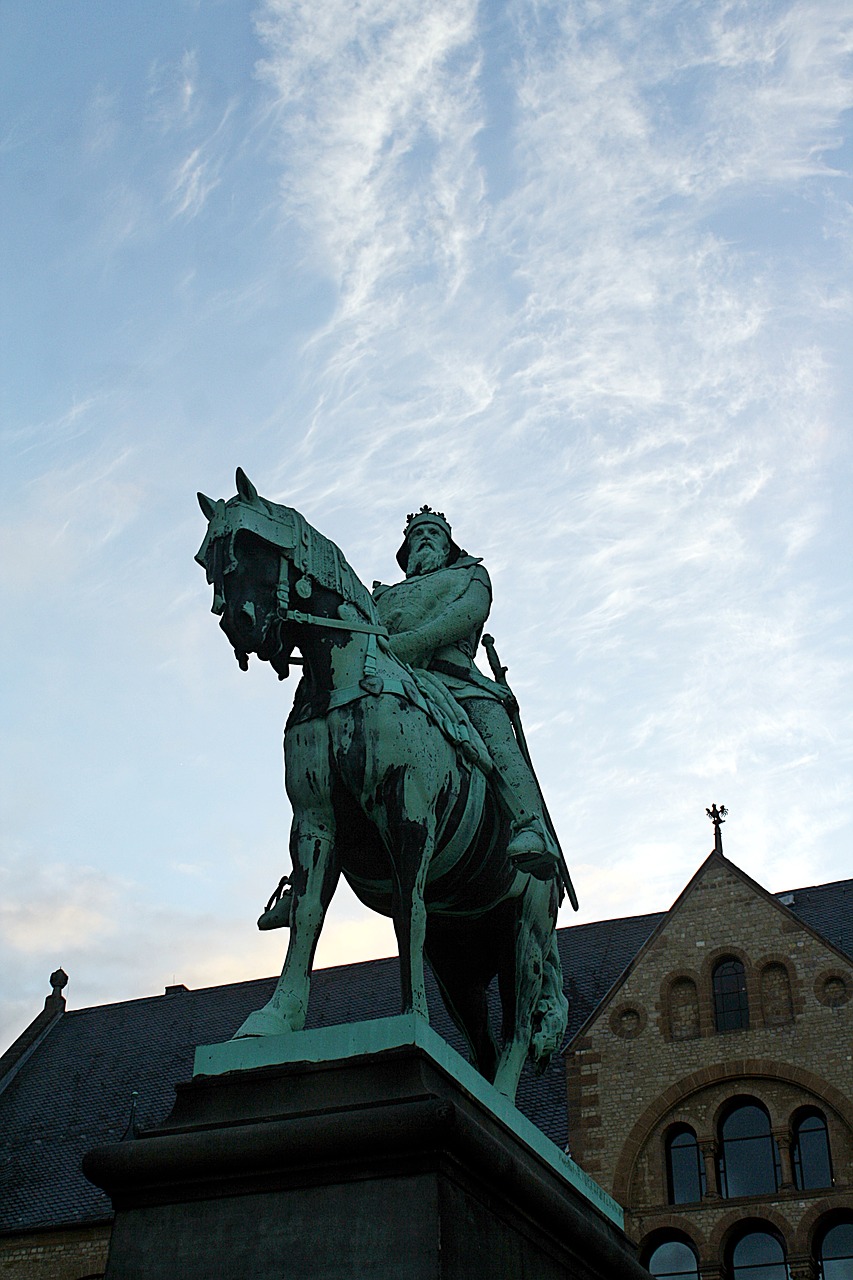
(337, 624)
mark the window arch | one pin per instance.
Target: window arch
(749, 1157)
(685, 1168)
(777, 1005)
(683, 1009)
(674, 1258)
(759, 1254)
(731, 1005)
(835, 1253)
(810, 1151)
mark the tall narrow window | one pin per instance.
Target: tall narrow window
(759, 1255)
(685, 1168)
(810, 1152)
(749, 1161)
(731, 1007)
(674, 1258)
(836, 1253)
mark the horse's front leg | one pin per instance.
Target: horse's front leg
(315, 875)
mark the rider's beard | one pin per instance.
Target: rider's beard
(425, 561)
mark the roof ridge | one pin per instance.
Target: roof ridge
(807, 888)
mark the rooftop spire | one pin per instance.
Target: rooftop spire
(718, 817)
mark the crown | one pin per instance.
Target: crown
(414, 516)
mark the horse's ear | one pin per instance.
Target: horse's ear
(245, 488)
(208, 506)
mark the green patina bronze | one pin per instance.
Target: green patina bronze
(406, 769)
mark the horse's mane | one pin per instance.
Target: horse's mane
(317, 557)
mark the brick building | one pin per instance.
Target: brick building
(708, 1064)
(711, 1091)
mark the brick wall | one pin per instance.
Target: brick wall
(652, 1057)
(55, 1255)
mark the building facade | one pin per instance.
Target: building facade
(711, 1091)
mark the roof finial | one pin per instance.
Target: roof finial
(718, 817)
(58, 980)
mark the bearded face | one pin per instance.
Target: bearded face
(429, 547)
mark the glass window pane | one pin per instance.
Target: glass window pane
(731, 1007)
(747, 1121)
(837, 1269)
(759, 1256)
(837, 1253)
(750, 1160)
(685, 1168)
(674, 1258)
(812, 1166)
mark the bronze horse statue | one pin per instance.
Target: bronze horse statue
(385, 795)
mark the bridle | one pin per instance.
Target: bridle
(314, 557)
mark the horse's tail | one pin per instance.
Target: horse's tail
(552, 1010)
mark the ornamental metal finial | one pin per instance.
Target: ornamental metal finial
(718, 817)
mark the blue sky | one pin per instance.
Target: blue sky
(577, 274)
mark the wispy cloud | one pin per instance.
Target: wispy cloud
(173, 91)
(199, 173)
(610, 388)
(577, 274)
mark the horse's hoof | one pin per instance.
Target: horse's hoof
(263, 1022)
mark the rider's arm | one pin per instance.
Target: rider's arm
(462, 618)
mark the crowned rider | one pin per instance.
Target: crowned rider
(435, 618)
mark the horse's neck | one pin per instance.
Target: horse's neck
(332, 659)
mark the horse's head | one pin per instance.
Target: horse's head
(245, 555)
(261, 560)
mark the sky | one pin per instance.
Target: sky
(577, 274)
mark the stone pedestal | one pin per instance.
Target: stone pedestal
(365, 1152)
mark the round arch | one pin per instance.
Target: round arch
(739, 1071)
(818, 1219)
(735, 1224)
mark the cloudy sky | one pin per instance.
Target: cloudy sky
(576, 273)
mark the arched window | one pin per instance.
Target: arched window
(810, 1151)
(683, 1009)
(749, 1159)
(777, 1005)
(674, 1258)
(759, 1255)
(731, 1007)
(685, 1168)
(835, 1255)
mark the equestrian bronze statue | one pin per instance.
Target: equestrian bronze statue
(407, 772)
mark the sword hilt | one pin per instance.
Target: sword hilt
(498, 671)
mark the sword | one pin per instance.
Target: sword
(511, 704)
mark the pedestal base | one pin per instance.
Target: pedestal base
(370, 1151)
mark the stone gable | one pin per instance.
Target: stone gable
(651, 1055)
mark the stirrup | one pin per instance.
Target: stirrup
(276, 914)
(531, 851)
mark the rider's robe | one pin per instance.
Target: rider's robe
(436, 620)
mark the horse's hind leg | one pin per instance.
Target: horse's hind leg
(468, 1006)
(530, 956)
(315, 875)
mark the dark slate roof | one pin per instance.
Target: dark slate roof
(826, 908)
(74, 1091)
